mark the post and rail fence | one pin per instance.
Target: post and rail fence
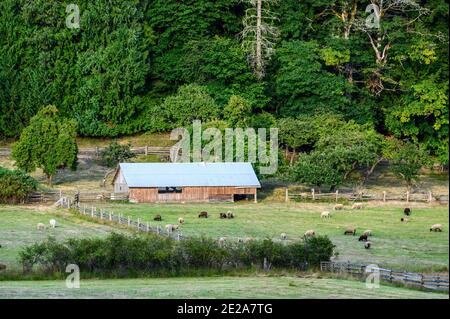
(432, 282)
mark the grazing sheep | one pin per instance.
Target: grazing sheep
(170, 228)
(230, 215)
(363, 237)
(283, 236)
(404, 220)
(367, 244)
(2, 267)
(436, 228)
(368, 233)
(310, 233)
(40, 226)
(357, 206)
(338, 207)
(223, 216)
(221, 241)
(157, 218)
(181, 220)
(203, 215)
(52, 223)
(350, 231)
(407, 211)
(325, 215)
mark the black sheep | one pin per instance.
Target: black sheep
(158, 218)
(223, 216)
(203, 215)
(363, 237)
(407, 211)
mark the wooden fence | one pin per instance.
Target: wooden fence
(53, 196)
(384, 197)
(102, 214)
(96, 151)
(433, 282)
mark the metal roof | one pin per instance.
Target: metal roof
(142, 175)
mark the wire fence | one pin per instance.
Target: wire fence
(433, 282)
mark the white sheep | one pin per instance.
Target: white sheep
(221, 241)
(170, 228)
(367, 244)
(181, 220)
(310, 233)
(40, 226)
(338, 207)
(436, 227)
(368, 233)
(52, 223)
(357, 206)
(325, 214)
(283, 236)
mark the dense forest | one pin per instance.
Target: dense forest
(152, 65)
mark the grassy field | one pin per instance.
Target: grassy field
(18, 229)
(212, 287)
(403, 246)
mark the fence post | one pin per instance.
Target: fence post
(407, 196)
(60, 194)
(384, 196)
(92, 212)
(337, 194)
(138, 224)
(110, 216)
(148, 228)
(313, 194)
(129, 221)
(101, 213)
(430, 197)
(146, 150)
(287, 195)
(97, 153)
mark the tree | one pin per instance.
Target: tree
(237, 111)
(116, 153)
(406, 159)
(49, 143)
(192, 102)
(15, 185)
(259, 35)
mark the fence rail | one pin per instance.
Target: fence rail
(53, 196)
(434, 282)
(385, 196)
(102, 214)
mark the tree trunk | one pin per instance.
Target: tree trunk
(49, 180)
(259, 61)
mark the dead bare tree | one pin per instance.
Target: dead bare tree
(259, 34)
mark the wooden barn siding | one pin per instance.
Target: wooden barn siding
(149, 195)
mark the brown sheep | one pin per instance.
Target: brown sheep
(350, 231)
(203, 215)
(157, 218)
(357, 206)
(310, 233)
(338, 207)
(363, 237)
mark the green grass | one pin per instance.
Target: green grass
(409, 246)
(18, 229)
(211, 287)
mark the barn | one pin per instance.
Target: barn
(186, 182)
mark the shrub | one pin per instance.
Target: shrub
(152, 254)
(116, 153)
(15, 185)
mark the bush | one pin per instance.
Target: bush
(116, 153)
(15, 185)
(152, 254)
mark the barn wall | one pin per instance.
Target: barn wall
(120, 185)
(189, 194)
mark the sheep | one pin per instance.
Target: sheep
(368, 233)
(230, 215)
(223, 216)
(52, 223)
(404, 220)
(2, 267)
(350, 231)
(283, 236)
(407, 211)
(367, 244)
(157, 218)
(363, 237)
(436, 228)
(203, 215)
(175, 227)
(181, 220)
(357, 206)
(310, 233)
(40, 226)
(170, 228)
(325, 215)
(221, 241)
(338, 207)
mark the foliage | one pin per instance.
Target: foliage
(121, 254)
(49, 143)
(116, 153)
(15, 185)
